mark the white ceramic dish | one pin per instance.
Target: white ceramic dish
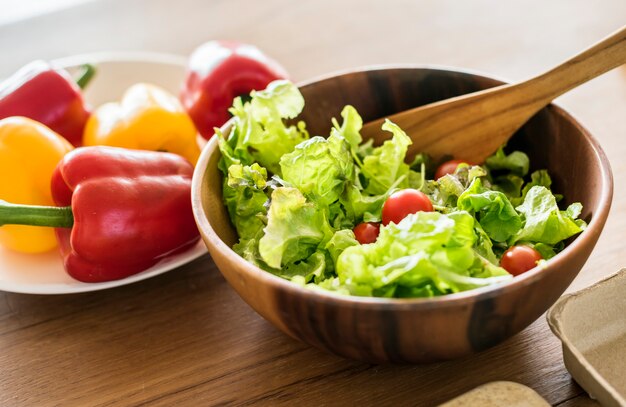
(44, 274)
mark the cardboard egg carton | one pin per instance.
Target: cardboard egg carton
(591, 323)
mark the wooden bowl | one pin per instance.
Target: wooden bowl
(415, 330)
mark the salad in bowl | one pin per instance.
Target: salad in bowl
(342, 215)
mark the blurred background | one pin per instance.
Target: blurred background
(526, 34)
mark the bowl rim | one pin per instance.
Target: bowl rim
(593, 228)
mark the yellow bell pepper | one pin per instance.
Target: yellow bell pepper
(147, 118)
(29, 153)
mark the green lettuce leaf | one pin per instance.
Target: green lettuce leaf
(494, 211)
(514, 188)
(574, 210)
(445, 191)
(280, 99)
(451, 185)
(228, 154)
(544, 222)
(350, 127)
(339, 218)
(546, 251)
(361, 207)
(427, 253)
(253, 176)
(341, 240)
(537, 178)
(511, 185)
(366, 148)
(416, 179)
(516, 162)
(311, 269)
(295, 228)
(259, 133)
(484, 245)
(319, 168)
(245, 198)
(385, 165)
(248, 248)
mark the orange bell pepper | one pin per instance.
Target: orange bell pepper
(147, 118)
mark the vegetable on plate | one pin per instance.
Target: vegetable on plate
(118, 211)
(147, 118)
(219, 71)
(29, 153)
(48, 95)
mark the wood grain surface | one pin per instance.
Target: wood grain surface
(186, 338)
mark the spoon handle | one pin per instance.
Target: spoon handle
(607, 54)
(471, 127)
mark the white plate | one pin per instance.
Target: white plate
(44, 273)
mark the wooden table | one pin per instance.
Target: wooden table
(186, 338)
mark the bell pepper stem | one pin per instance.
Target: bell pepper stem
(52, 216)
(88, 71)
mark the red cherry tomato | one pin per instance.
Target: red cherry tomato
(404, 202)
(367, 232)
(448, 168)
(519, 259)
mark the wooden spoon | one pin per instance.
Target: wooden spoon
(471, 127)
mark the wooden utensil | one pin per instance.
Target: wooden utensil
(471, 127)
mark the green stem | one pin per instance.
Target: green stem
(52, 216)
(86, 75)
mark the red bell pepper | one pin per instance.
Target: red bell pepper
(120, 211)
(49, 96)
(219, 71)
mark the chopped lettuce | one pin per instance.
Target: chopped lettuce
(248, 248)
(319, 168)
(295, 228)
(359, 205)
(495, 213)
(511, 185)
(450, 187)
(252, 176)
(245, 198)
(385, 165)
(311, 269)
(350, 127)
(446, 190)
(544, 222)
(537, 178)
(546, 251)
(426, 252)
(295, 200)
(516, 162)
(244, 194)
(484, 245)
(341, 240)
(259, 133)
